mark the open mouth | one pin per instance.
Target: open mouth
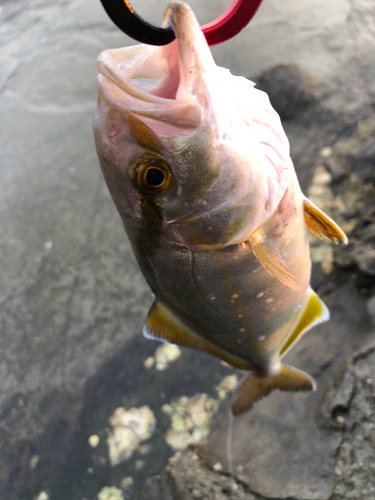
(146, 81)
(165, 83)
(149, 74)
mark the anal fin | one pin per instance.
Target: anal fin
(269, 257)
(320, 224)
(257, 387)
(313, 313)
(164, 324)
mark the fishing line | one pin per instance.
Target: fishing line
(230, 454)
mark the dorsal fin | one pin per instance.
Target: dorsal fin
(165, 324)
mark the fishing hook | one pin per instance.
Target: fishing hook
(229, 24)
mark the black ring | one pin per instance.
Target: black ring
(125, 18)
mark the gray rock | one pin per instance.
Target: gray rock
(359, 255)
(289, 89)
(358, 151)
(338, 169)
(186, 478)
(364, 159)
(371, 309)
(354, 470)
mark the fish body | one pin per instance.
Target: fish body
(198, 166)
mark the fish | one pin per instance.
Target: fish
(198, 165)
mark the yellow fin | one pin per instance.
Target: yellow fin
(257, 387)
(320, 224)
(314, 313)
(164, 324)
(269, 257)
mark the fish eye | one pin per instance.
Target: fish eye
(152, 174)
(154, 177)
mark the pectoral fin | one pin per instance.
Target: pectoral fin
(269, 257)
(320, 224)
(165, 324)
(257, 387)
(314, 313)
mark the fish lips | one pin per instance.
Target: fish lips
(163, 85)
(163, 115)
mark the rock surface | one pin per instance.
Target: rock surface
(354, 471)
(289, 89)
(292, 440)
(72, 298)
(349, 418)
(188, 477)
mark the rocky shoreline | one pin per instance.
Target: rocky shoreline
(89, 410)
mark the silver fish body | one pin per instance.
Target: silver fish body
(198, 165)
(228, 297)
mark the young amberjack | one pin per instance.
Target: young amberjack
(198, 166)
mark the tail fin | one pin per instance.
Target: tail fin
(258, 386)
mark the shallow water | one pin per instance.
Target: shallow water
(125, 382)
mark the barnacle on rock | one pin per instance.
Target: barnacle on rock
(129, 428)
(190, 420)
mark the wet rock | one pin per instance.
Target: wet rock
(365, 257)
(363, 159)
(338, 168)
(288, 87)
(371, 309)
(357, 153)
(188, 478)
(360, 253)
(337, 397)
(354, 470)
(350, 202)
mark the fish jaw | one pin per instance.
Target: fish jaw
(144, 80)
(223, 142)
(163, 84)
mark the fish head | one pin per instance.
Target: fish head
(186, 147)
